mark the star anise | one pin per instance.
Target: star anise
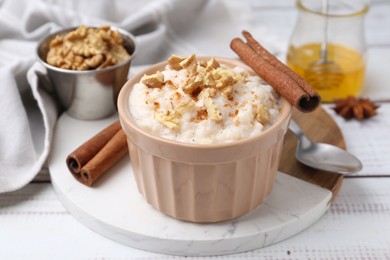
(357, 108)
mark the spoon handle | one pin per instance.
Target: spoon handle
(303, 139)
(294, 127)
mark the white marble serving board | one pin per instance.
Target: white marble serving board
(115, 209)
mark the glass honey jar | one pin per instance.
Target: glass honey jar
(328, 46)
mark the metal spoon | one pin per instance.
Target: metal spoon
(323, 156)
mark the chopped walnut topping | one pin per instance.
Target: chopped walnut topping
(204, 74)
(209, 80)
(171, 83)
(153, 81)
(205, 81)
(174, 62)
(212, 64)
(189, 64)
(202, 63)
(212, 92)
(212, 110)
(227, 91)
(224, 82)
(262, 114)
(205, 93)
(185, 106)
(193, 84)
(169, 119)
(200, 101)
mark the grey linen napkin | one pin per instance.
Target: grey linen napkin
(27, 111)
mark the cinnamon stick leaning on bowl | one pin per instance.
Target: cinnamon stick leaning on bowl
(94, 157)
(284, 80)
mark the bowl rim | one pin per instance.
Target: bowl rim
(123, 33)
(125, 115)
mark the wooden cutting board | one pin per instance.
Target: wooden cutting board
(319, 126)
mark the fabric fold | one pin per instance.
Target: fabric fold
(28, 111)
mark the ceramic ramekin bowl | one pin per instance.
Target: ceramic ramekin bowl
(203, 183)
(88, 94)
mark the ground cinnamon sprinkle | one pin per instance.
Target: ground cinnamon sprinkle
(234, 114)
(200, 115)
(156, 106)
(177, 95)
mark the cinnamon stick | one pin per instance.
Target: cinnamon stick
(114, 150)
(284, 80)
(88, 150)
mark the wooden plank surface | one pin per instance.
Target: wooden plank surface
(319, 126)
(356, 225)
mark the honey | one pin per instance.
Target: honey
(340, 75)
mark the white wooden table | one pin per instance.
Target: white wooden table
(35, 225)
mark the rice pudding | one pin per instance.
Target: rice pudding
(203, 102)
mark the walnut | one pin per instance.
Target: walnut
(262, 114)
(202, 63)
(205, 93)
(206, 74)
(185, 106)
(227, 91)
(108, 62)
(209, 80)
(58, 40)
(174, 62)
(189, 64)
(357, 108)
(87, 48)
(193, 84)
(169, 119)
(94, 61)
(212, 64)
(171, 84)
(79, 33)
(103, 34)
(212, 110)
(116, 38)
(224, 81)
(212, 92)
(153, 81)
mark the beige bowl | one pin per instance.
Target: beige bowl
(202, 183)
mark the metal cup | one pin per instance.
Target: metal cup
(90, 94)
